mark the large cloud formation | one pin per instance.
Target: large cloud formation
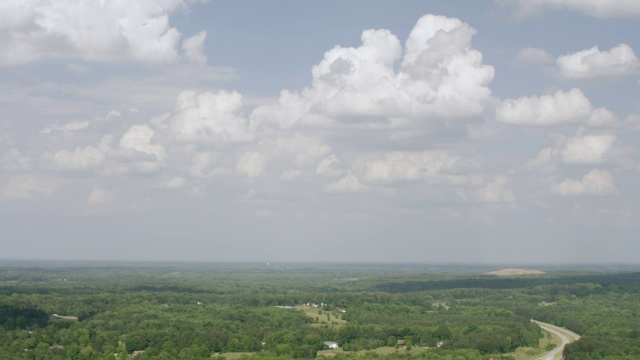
(438, 70)
(31, 30)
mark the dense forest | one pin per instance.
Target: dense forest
(266, 311)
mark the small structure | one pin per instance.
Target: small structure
(331, 344)
(400, 343)
(137, 353)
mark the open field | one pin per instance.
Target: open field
(547, 343)
(232, 355)
(63, 318)
(323, 317)
(385, 350)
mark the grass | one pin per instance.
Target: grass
(326, 318)
(385, 350)
(530, 353)
(233, 355)
(64, 318)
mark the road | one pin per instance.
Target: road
(565, 336)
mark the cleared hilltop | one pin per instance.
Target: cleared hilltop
(506, 272)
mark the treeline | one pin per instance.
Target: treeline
(192, 313)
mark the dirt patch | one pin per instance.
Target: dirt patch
(506, 272)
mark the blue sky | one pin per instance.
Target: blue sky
(440, 131)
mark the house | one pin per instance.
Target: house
(331, 344)
(400, 343)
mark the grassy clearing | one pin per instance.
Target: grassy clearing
(233, 355)
(386, 350)
(323, 318)
(63, 318)
(547, 343)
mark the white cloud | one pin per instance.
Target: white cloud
(67, 127)
(252, 164)
(596, 8)
(215, 118)
(138, 153)
(306, 150)
(97, 196)
(496, 191)
(193, 48)
(544, 161)
(83, 158)
(534, 55)
(595, 183)
(593, 63)
(439, 70)
(587, 149)
(561, 107)
(77, 125)
(430, 166)
(28, 186)
(581, 149)
(91, 30)
(348, 183)
(326, 166)
(602, 117)
(175, 183)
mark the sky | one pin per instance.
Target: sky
(495, 131)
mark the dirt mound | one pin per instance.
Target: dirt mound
(505, 272)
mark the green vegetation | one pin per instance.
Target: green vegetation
(255, 311)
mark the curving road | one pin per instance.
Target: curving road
(566, 336)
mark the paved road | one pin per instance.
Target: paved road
(566, 336)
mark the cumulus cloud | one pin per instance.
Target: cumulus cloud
(208, 117)
(581, 149)
(67, 127)
(587, 149)
(597, 8)
(193, 48)
(496, 191)
(28, 186)
(594, 183)
(439, 69)
(92, 30)
(252, 164)
(429, 166)
(138, 153)
(97, 196)
(77, 125)
(83, 158)
(534, 55)
(326, 166)
(561, 107)
(348, 183)
(175, 183)
(593, 63)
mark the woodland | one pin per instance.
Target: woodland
(227, 311)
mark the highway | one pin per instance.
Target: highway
(566, 336)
